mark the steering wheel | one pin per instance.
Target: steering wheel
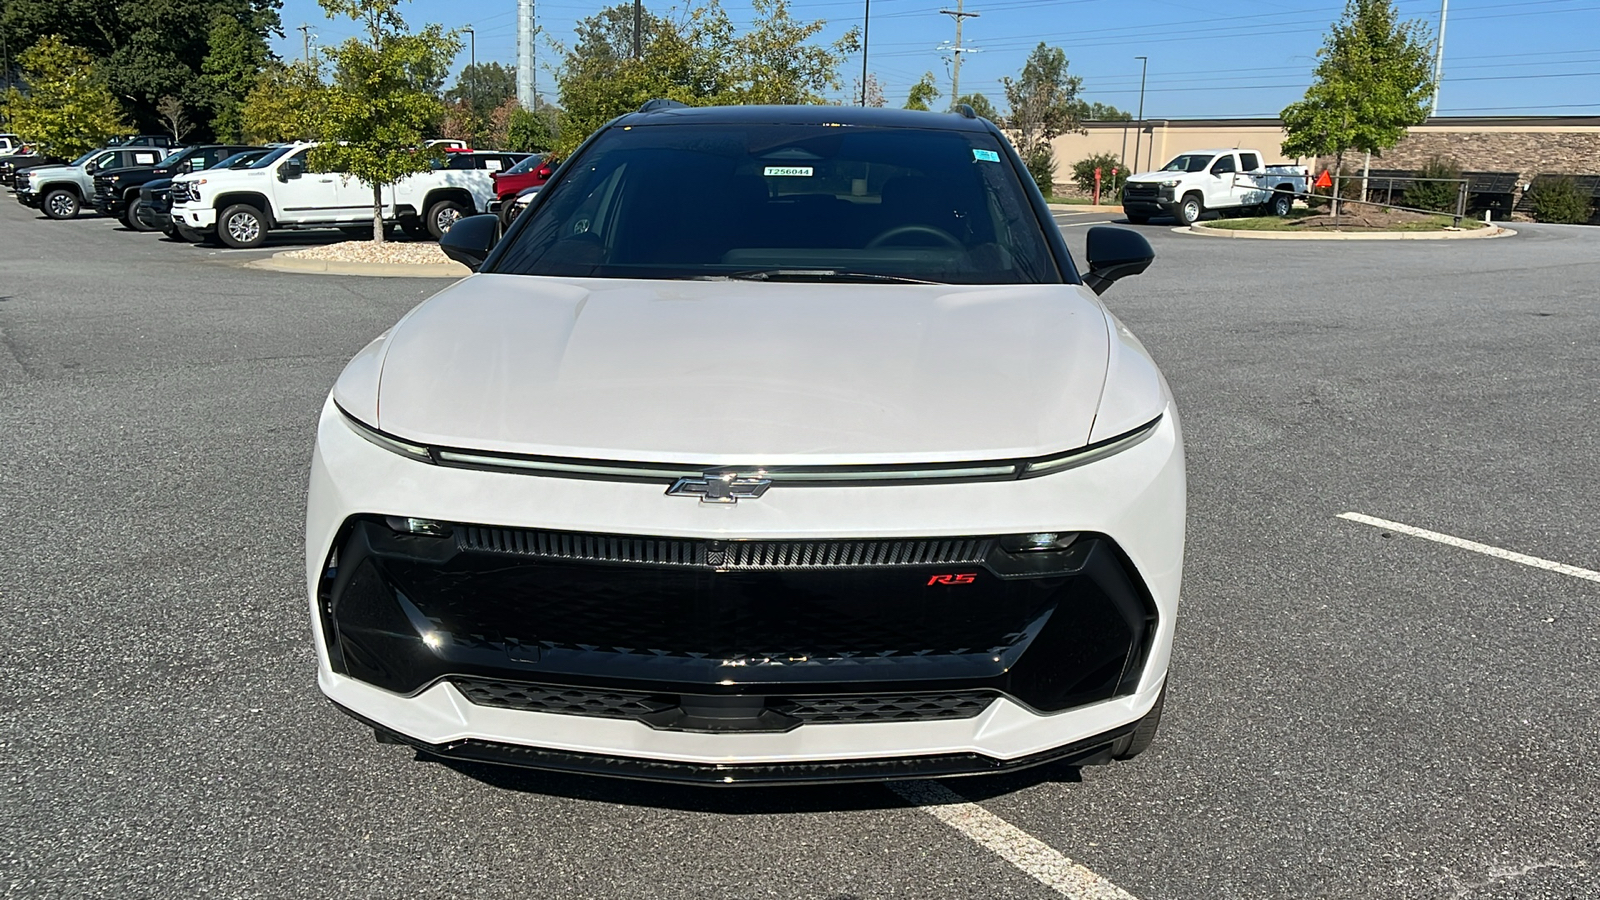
(943, 236)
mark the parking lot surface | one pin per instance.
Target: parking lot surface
(1355, 711)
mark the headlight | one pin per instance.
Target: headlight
(1171, 182)
(1043, 542)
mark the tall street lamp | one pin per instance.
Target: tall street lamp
(472, 79)
(866, 25)
(1138, 134)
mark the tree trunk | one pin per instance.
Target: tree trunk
(1338, 170)
(377, 214)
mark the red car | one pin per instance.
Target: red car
(531, 172)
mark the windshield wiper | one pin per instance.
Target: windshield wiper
(836, 275)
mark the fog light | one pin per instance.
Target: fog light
(426, 527)
(1043, 541)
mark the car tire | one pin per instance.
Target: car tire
(130, 216)
(242, 227)
(1282, 204)
(186, 234)
(442, 215)
(1189, 210)
(1144, 734)
(61, 204)
(508, 211)
(1137, 220)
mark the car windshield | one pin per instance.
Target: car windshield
(1189, 162)
(238, 159)
(526, 165)
(84, 158)
(270, 158)
(789, 202)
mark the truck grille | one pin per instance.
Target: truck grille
(1141, 191)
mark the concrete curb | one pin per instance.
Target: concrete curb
(1493, 231)
(281, 262)
(1083, 208)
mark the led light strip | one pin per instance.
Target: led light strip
(798, 476)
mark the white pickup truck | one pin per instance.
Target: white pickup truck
(1228, 180)
(240, 206)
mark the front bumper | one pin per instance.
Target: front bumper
(1134, 499)
(198, 218)
(29, 199)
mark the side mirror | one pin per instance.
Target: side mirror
(1115, 253)
(293, 168)
(91, 168)
(470, 239)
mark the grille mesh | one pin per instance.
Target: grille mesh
(608, 704)
(728, 555)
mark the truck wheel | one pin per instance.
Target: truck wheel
(61, 204)
(1137, 220)
(241, 227)
(508, 211)
(1189, 210)
(130, 216)
(1144, 734)
(442, 215)
(1282, 204)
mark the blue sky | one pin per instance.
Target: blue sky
(1510, 57)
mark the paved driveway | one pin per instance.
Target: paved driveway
(1356, 711)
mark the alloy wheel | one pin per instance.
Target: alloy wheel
(244, 228)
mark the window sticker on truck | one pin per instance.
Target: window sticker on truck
(985, 156)
(788, 171)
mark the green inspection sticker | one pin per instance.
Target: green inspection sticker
(788, 171)
(986, 155)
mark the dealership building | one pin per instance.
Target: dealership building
(1506, 153)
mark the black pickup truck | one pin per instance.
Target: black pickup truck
(12, 163)
(153, 209)
(116, 191)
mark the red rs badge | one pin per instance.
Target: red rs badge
(966, 578)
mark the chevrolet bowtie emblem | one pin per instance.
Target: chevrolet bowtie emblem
(721, 487)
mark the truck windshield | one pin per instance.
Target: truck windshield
(270, 158)
(1189, 162)
(787, 202)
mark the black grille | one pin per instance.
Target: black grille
(726, 556)
(568, 701)
(609, 704)
(1141, 191)
(887, 707)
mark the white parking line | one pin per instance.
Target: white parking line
(1015, 846)
(1474, 546)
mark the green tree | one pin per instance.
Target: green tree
(533, 131)
(1560, 200)
(1102, 112)
(235, 56)
(697, 59)
(287, 103)
(922, 94)
(148, 49)
(1373, 81)
(478, 91)
(67, 109)
(1044, 104)
(384, 100)
(980, 105)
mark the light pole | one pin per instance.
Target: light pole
(1138, 134)
(472, 67)
(1438, 57)
(866, 26)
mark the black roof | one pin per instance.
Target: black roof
(805, 115)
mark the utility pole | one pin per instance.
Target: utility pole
(866, 24)
(1138, 134)
(526, 96)
(1438, 57)
(638, 25)
(305, 41)
(955, 71)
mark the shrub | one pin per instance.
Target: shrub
(1041, 163)
(1558, 200)
(1439, 196)
(1110, 185)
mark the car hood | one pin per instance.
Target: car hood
(740, 372)
(51, 171)
(1144, 177)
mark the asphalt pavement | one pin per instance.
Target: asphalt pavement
(1354, 712)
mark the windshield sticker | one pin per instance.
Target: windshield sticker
(788, 171)
(985, 156)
